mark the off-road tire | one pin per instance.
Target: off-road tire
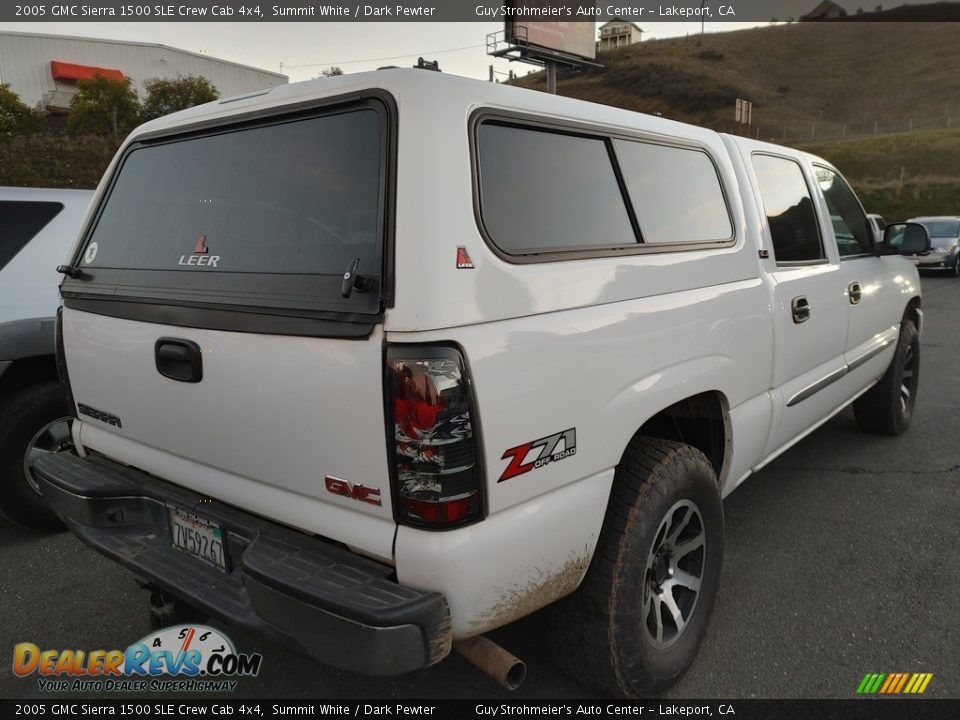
(598, 635)
(22, 415)
(882, 409)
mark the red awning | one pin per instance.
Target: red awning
(71, 72)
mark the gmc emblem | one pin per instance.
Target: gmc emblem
(354, 492)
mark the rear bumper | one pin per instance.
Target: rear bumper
(298, 590)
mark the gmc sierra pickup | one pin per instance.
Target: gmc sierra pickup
(375, 364)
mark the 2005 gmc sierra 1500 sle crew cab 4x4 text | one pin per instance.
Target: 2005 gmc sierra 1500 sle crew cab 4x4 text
(375, 364)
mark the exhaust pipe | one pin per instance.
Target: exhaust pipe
(507, 669)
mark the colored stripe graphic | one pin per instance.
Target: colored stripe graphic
(903, 680)
(870, 683)
(894, 683)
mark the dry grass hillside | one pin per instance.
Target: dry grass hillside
(805, 79)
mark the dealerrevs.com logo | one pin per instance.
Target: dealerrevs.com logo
(184, 658)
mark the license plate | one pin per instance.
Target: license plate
(197, 536)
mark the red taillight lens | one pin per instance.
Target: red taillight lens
(437, 476)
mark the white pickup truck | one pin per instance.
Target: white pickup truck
(375, 364)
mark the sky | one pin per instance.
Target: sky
(354, 47)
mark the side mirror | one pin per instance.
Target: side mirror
(905, 239)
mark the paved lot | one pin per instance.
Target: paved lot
(842, 557)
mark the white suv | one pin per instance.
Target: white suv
(37, 229)
(375, 364)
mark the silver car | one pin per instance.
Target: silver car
(944, 251)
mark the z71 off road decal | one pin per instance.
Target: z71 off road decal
(552, 448)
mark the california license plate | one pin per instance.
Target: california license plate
(197, 536)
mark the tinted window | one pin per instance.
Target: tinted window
(675, 192)
(19, 222)
(789, 209)
(850, 225)
(545, 191)
(294, 198)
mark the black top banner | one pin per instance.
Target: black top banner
(558, 11)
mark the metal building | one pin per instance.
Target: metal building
(44, 69)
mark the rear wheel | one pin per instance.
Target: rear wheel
(33, 422)
(635, 624)
(887, 408)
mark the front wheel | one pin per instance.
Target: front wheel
(636, 623)
(887, 407)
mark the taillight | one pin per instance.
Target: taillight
(433, 438)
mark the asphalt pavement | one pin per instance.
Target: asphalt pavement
(842, 558)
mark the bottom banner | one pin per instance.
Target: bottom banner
(776, 709)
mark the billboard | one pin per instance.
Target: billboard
(523, 28)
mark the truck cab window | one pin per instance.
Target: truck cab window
(850, 224)
(789, 210)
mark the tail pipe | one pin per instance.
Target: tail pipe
(507, 669)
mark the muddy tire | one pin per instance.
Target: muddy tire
(636, 623)
(887, 408)
(26, 418)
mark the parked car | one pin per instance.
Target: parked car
(376, 364)
(37, 229)
(878, 224)
(944, 253)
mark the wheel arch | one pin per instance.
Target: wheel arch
(702, 421)
(24, 372)
(913, 312)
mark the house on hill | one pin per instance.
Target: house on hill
(827, 10)
(618, 33)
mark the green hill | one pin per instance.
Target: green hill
(900, 175)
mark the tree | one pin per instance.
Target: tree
(167, 96)
(103, 106)
(332, 71)
(15, 116)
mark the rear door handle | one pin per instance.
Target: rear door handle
(179, 360)
(854, 292)
(801, 309)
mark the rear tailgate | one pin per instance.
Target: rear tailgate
(208, 337)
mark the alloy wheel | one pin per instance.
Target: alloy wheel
(674, 573)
